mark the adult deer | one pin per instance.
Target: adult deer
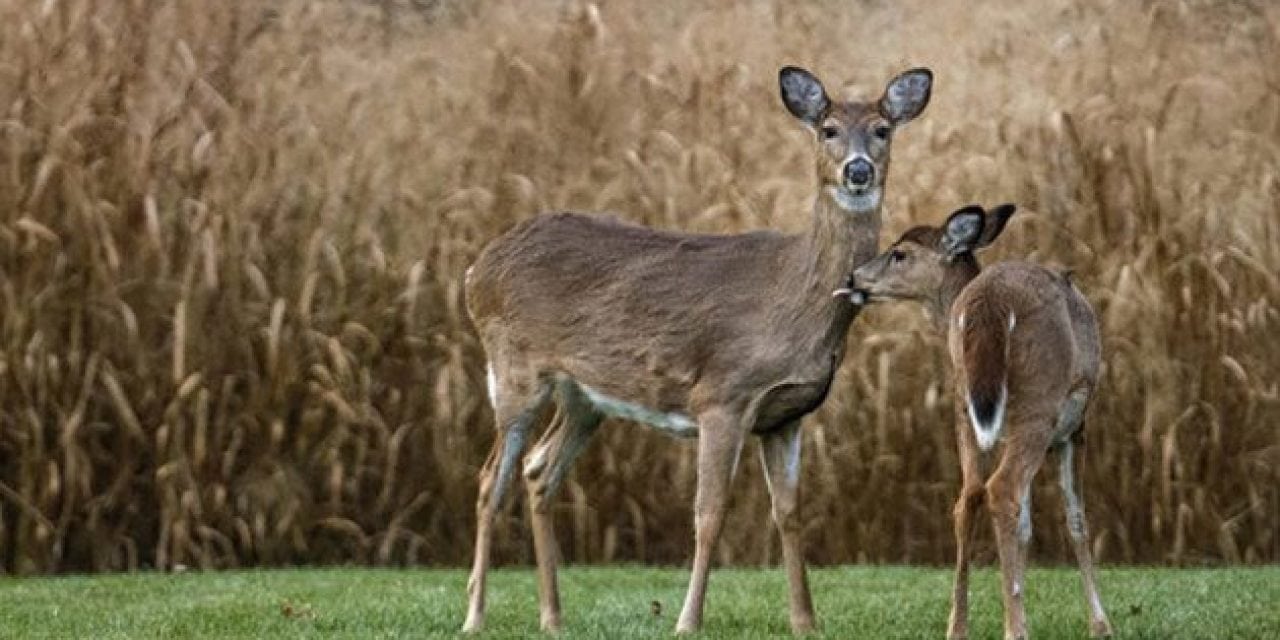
(706, 336)
(1025, 350)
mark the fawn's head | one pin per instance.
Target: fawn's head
(921, 262)
(854, 136)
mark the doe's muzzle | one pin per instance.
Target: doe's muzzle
(859, 173)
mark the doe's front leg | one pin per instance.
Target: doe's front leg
(780, 456)
(720, 439)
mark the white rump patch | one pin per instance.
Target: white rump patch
(676, 424)
(987, 434)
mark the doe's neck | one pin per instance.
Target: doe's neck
(837, 241)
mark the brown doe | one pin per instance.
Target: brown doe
(1025, 350)
(700, 336)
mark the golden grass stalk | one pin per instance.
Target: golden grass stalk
(232, 239)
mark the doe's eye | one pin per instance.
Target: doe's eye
(897, 255)
(830, 133)
(881, 131)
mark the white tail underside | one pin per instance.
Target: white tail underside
(988, 433)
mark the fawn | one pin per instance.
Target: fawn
(1025, 349)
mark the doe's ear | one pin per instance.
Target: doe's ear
(996, 219)
(907, 95)
(803, 95)
(963, 230)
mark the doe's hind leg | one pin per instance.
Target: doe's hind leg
(514, 418)
(544, 469)
(780, 456)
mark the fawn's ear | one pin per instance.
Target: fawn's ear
(803, 95)
(907, 95)
(996, 219)
(963, 231)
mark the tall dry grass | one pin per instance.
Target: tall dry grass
(232, 234)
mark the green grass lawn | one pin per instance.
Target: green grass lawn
(610, 602)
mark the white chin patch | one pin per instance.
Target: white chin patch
(856, 202)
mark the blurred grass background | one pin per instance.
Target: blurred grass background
(232, 238)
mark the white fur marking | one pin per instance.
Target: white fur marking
(960, 321)
(536, 460)
(857, 155)
(793, 458)
(1013, 320)
(737, 457)
(1066, 477)
(988, 434)
(491, 381)
(1096, 605)
(676, 424)
(1024, 517)
(1017, 588)
(854, 203)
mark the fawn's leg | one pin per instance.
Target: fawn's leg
(1073, 503)
(972, 492)
(1007, 491)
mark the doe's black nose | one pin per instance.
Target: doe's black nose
(859, 172)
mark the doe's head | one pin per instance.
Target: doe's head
(854, 136)
(919, 263)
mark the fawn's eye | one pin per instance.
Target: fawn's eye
(830, 133)
(897, 256)
(881, 131)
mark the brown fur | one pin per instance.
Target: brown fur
(733, 334)
(984, 347)
(1048, 362)
(857, 120)
(1054, 348)
(613, 303)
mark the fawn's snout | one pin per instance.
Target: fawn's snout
(855, 288)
